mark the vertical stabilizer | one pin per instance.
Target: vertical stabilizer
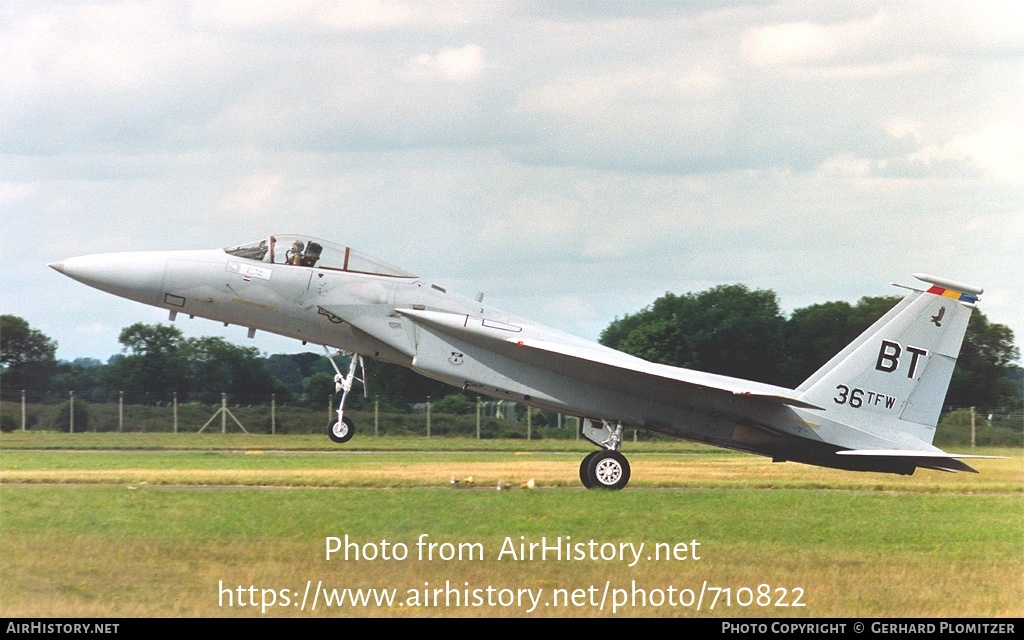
(892, 380)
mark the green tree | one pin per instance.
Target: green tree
(286, 370)
(27, 356)
(154, 363)
(982, 377)
(93, 382)
(318, 388)
(869, 309)
(215, 365)
(458, 404)
(729, 329)
(734, 331)
(62, 421)
(813, 334)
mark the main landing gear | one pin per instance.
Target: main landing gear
(607, 468)
(341, 428)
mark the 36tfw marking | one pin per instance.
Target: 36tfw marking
(858, 398)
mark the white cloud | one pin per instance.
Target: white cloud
(256, 14)
(995, 152)
(460, 64)
(574, 162)
(787, 44)
(255, 194)
(895, 39)
(998, 148)
(900, 128)
(14, 192)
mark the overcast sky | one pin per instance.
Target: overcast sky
(572, 160)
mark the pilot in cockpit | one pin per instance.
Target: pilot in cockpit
(294, 255)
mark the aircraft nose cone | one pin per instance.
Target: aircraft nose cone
(136, 276)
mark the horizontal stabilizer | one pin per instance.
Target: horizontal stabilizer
(939, 460)
(904, 453)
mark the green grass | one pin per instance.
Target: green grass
(156, 527)
(319, 442)
(795, 520)
(297, 461)
(394, 469)
(106, 550)
(215, 441)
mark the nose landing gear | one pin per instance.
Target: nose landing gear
(342, 428)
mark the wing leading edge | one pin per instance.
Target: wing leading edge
(597, 364)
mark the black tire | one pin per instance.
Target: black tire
(341, 433)
(587, 481)
(608, 470)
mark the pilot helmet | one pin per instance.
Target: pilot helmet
(298, 246)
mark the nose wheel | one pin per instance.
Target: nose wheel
(605, 470)
(341, 432)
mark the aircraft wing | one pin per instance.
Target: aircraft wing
(612, 365)
(599, 365)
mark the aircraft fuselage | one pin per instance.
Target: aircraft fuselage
(336, 297)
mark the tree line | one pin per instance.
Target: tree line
(730, 330)
(735, 331)
(159, 363)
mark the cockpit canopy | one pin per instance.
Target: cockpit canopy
(303, 251)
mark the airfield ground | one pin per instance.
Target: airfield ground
(229, 526)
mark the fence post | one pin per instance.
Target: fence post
(529, 422)
(71, 412)
(273, 413)
(24, 416)
(120, 411)
(428, 416)
(223, 413)
(478, 404)
(376, 415)
(175, 412)
(972, 427)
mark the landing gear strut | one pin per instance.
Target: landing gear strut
(607, 468)
(341, 428)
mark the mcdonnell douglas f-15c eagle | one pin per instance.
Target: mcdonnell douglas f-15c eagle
(873, 407)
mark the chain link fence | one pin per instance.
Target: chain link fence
(265, 414)
(454, 415)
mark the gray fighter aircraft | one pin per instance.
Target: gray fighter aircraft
(873, 407)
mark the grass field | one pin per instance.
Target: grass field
(173, 527)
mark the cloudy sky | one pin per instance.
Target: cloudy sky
(572, 160)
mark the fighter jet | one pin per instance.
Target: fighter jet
(873, 407)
